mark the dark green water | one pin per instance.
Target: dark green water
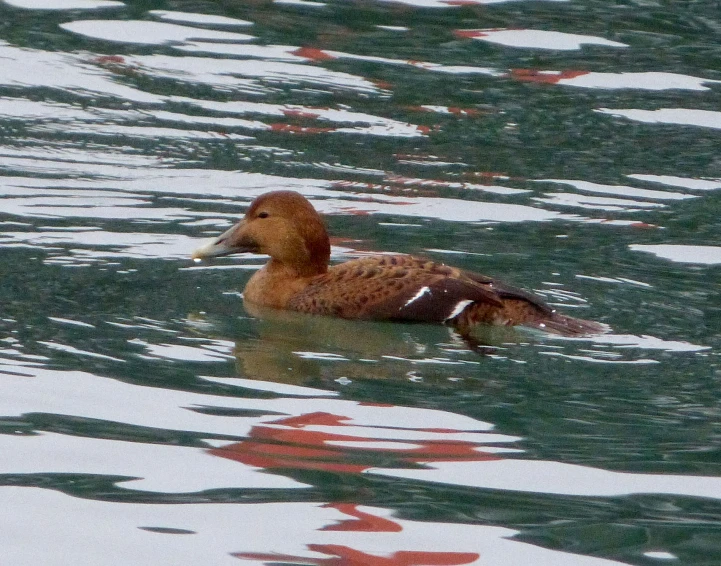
(571, 148)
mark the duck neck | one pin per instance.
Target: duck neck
(301, 257)
(295, 270)
(275, 284)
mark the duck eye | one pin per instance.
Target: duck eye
(263, 215)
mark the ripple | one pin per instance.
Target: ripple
(54, 453)
(147, 33)
(682, 116)
(64, 4)
(558, 478)
(651, 81)
(32, 68)
(687, 183)
(195, 18)
(536, 39)
(705, 255)
(287, 532)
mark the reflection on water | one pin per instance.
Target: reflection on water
(284, 435)
(146, 415)
(307, 533)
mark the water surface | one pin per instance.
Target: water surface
(148, 417)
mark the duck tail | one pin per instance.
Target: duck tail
(564, 325)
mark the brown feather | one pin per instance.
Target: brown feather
(391, 288)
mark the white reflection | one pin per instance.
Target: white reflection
(99, 245)
(156, 466)
(704, 255)
(63, 158)
(378, 125)
(540, 476)
(258, 533)
(621, 190)
(686, 182)
(23, 67)
(617, 349)
(226, 73)
(193, 18)
(424, 183)
(304, 3)
(148, 33)
(644, 341)
(682, 116)
(64, 4)
(615, 280)
(596, 203)
(393, 28)
(77, 352)
(87, 207)
(454, 210)
(306, 54)
(281, 388)
(641, 81)
(70, 322)
(537, 39)
(213, 351)
(452, 3)
(601, 358)
(277, 52)
(140, 132)
(202, 182)
(27, 388)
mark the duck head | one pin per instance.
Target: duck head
(281, 224)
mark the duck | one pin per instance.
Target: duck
(285, 226)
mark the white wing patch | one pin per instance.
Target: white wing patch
(458, 309)
(418, 295)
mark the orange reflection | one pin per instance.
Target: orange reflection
(345, 556)
(342, 555)
(536, 76)
(326, 442)
(361, 521)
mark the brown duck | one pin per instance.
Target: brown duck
(285, 226)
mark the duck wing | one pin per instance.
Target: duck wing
(511, 293)
(395, 288)
(407, 288)
(522, 307)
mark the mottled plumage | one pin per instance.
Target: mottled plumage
(285, 226)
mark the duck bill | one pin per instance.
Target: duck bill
(232, 241)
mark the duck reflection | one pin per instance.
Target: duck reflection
(297, 348)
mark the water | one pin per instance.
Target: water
(566, 147)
